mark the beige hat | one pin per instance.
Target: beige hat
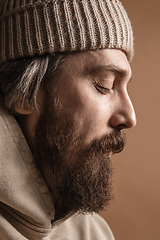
(29, 27)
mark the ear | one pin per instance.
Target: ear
(24, 109)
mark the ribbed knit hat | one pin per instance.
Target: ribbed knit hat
(29, 27)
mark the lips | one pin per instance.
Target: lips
(110, 153)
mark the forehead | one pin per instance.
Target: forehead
(95, 61)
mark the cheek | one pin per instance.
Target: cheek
(90, 109)
(91, 116)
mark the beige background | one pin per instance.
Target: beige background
(135, 213)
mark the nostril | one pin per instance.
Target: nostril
(123, 118)
(120, 127)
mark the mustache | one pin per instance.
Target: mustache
(113, 142)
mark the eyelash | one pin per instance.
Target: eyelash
(103, 90)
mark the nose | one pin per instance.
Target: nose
(124, 114)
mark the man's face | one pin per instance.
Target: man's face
(80, 128)
(93, 89)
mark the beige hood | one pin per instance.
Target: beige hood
(23, 192)
(26, 205)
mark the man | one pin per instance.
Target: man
(63, 80)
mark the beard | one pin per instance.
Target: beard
(79, 176)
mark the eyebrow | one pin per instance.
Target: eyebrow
(112, 68)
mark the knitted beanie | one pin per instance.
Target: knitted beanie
(29, 27)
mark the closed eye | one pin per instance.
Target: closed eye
(103, 90)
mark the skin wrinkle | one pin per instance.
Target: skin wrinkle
(108, 68)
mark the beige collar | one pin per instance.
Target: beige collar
(23, 192)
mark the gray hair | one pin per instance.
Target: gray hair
(20, 79)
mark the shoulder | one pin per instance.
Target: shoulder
(83, 227)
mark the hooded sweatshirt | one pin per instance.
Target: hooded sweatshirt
(26, 205)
